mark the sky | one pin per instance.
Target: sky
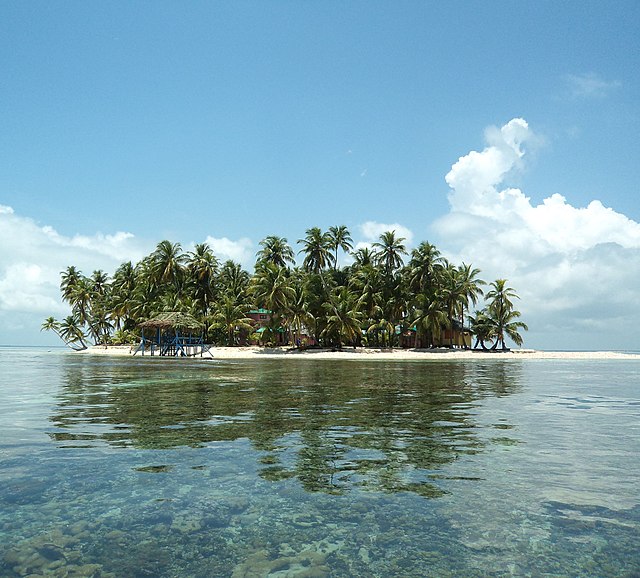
(506, 133)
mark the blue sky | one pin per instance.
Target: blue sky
(231, 121)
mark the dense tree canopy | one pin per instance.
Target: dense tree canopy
(384, 297)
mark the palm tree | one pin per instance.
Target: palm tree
(502, 314)
(317, 250)
(70, 278)
(363, 256)
(71, 332)
(142, 302)
(382, 326)
(168, 263)
(501, 296)
(271, 288)
(124, 279)
(428, 319)
(318, 288)
(100, 282)
(483, 327)
(100, 327)
(339, 238)
(344, 319)
(395, 304)
(232, 318)
(122, 291)
(202, 266)
(276, 250)
(234, 281)
(469, 287)
(389, 250)
(100, 311)
(77, 290)
(68, 331)
(50, 324)
(450, 291)
(424, 267)
(176, 301)
(298, 315)
(367, 283)
(509, 325)
(81, 300)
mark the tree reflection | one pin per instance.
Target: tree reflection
(331, 425)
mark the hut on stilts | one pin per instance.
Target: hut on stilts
(172, 334)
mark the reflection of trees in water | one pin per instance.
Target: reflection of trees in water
(331, 425)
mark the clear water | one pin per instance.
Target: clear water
(126, 467)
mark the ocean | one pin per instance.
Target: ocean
(137, 467)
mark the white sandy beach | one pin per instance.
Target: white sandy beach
(381, 354)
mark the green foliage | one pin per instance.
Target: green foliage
(275, 250)
(344, 320)
(376, 300)
(125, 337)
(231, 317)
(388, 251)
(317, 249)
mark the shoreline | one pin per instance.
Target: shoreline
(254, 352)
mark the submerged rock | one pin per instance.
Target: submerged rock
(55, 553)
(22, 491)
(306, 564)
(186, 525)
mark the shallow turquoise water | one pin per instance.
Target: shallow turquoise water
(150, 467)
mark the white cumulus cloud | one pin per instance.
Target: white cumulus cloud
(34, 255)
(241, 251)
(371, 231)
(31, 260)
(576, 268)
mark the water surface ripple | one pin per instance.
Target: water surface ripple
(113, 467)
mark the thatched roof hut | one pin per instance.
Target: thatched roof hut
(174, 335)
(172, 320)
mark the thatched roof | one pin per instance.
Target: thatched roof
(172, 320)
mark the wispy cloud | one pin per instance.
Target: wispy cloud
(590, 85)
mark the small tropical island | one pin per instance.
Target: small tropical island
(180, 303)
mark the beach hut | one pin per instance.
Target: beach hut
(262, 321)
(455, 336)
(172, 333)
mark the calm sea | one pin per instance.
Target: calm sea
(120, 467)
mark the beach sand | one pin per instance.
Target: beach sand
(376, 354)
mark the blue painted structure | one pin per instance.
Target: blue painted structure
(172, 334)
